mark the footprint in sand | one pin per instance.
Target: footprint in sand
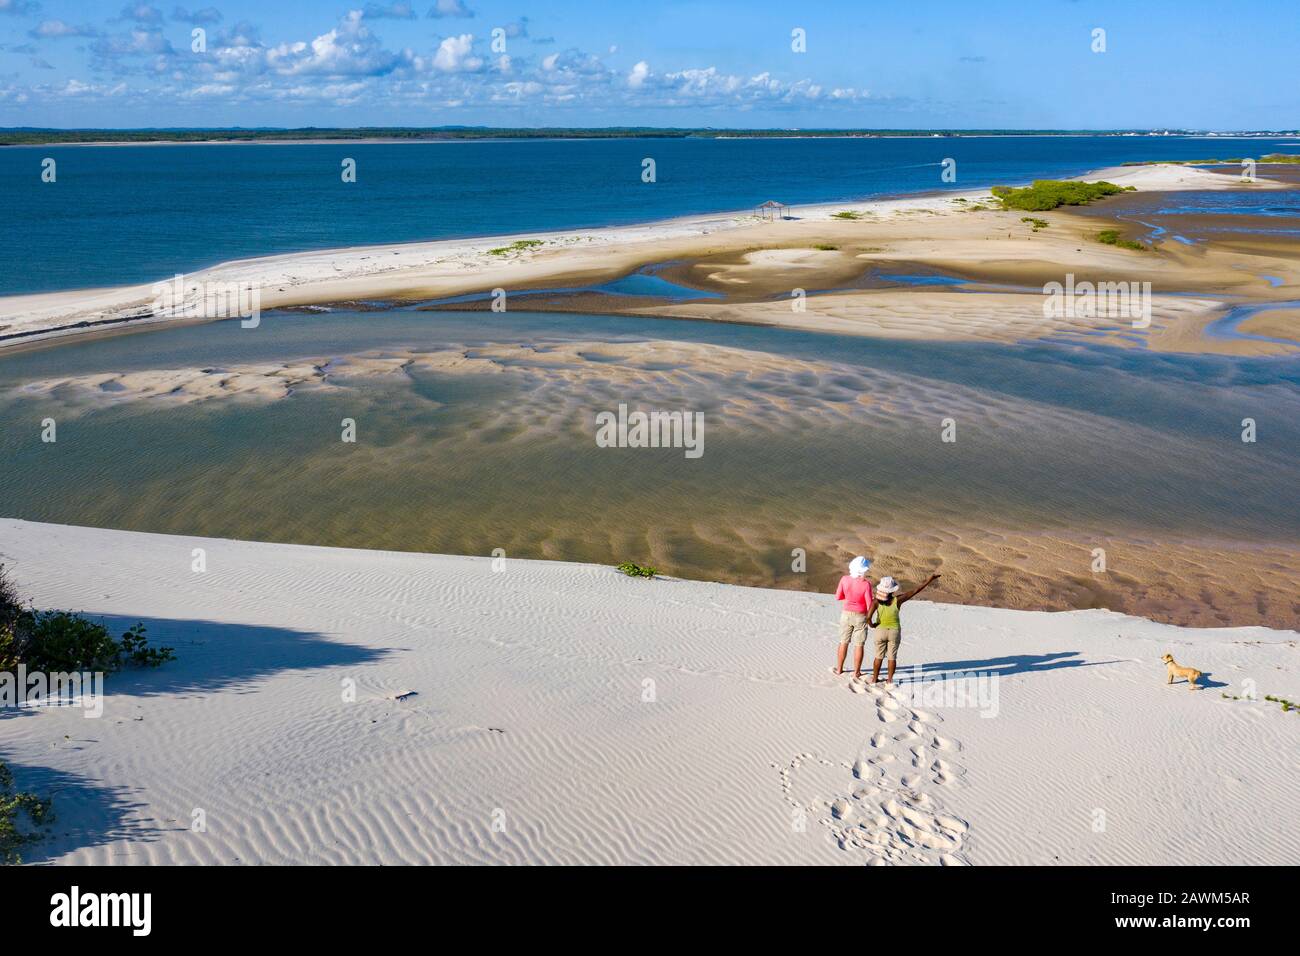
(889, 820)
(946, 774)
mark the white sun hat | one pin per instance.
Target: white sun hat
(887, 586)
(859, 566)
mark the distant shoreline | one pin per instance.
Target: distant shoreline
(17, 136)
(562, 259)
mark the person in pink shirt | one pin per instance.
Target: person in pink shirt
(858, 595)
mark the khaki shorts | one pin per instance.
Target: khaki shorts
(853, 624)
(887, 640)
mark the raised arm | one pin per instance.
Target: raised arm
(917, 590)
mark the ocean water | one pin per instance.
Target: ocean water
(130, 214)
(1052, 437)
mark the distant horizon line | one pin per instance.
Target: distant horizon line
(52, 135)
(458, 127)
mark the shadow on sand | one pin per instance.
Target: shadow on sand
(211, 657)
(86, 814)
(1001, 666)
(215, 656)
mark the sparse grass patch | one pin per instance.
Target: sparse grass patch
(847, 214)
(637, 571)
(1036, 223)
(1047, 194)
(521, 245)
(21, 817)
(1111, 237)
(823, 247)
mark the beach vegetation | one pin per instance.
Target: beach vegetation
(1181, 162)
(633, 570)
(1035, 222)
(54, 641)
(823, 247)
(847, 214)
(61, 641)
(520, 245)
(21, 817)
(1047, 194)
(1111, 237)
(1235, 161)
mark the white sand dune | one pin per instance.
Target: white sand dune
(566, 714)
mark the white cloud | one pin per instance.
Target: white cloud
(203, 16)
(455, 55)
(19, 8)
(450, 8)
(349, 65)
(350, 49)
(398, 10)
(142, 13)
(60, 28)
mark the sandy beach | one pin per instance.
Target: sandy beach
(753, 266)
(594, 718)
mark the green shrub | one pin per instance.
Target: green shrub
(1111, 237)
(14, 807)
(822, 247)
(847, 214)
(1036, 223)
(11, 609)
(637, 571)
(1049, 193)
(60, 641)
(63, 641)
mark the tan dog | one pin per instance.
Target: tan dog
(1176, 670)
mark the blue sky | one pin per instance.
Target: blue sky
(924, 63)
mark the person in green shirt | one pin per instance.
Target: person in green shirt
(886, 631)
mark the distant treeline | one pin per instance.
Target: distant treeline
(1270, 158)
(30, 136)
